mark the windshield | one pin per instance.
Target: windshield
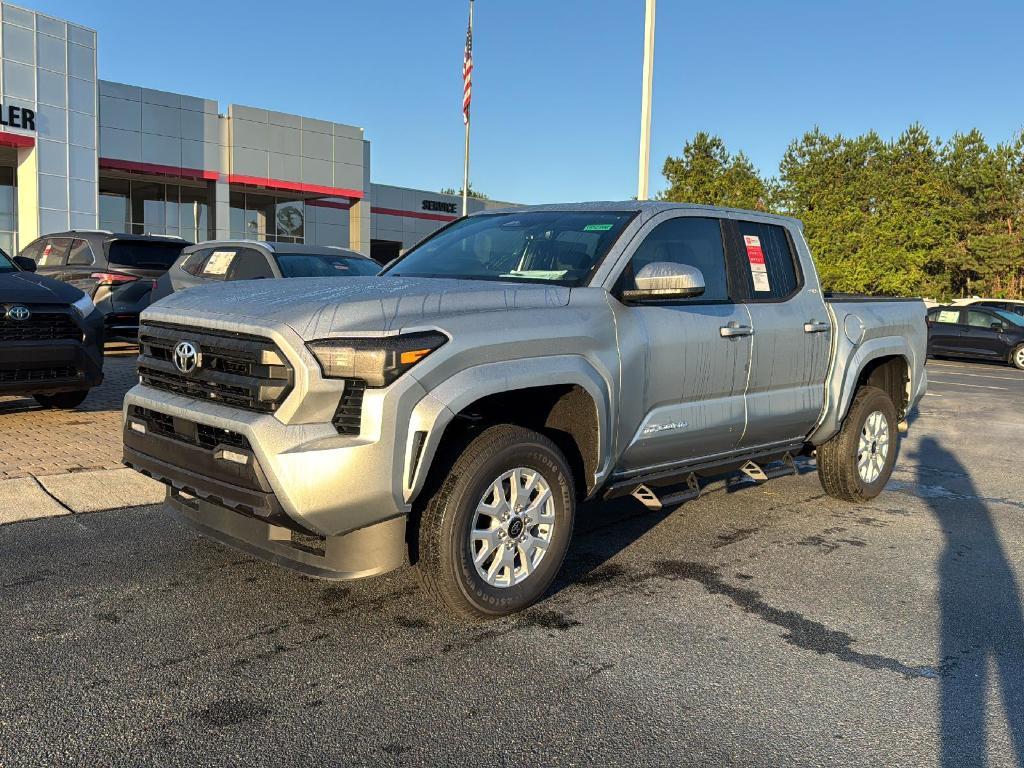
(560, 247)
(143, 254)
(6, 265)
(324, 265)
(1007, 315)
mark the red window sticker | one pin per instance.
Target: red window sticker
(758, 269)
(47, 250)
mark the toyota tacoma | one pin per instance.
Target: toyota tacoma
(453, 412)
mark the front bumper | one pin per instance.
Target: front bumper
(304, 476)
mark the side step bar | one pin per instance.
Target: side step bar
(751, 469)
(651, 500)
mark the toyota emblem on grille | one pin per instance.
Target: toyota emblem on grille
(186, 357)
(18, 312)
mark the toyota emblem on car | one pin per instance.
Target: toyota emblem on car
(186, 357)
(18, 312)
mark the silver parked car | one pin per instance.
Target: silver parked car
(455, 410)
(217, 261)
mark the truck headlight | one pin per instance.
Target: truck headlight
(377, 361)
(83, 306)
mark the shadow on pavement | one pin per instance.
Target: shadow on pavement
(982, 629)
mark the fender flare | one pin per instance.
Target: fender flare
(841, 390)
(435, 412)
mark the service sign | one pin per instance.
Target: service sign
(442, 207)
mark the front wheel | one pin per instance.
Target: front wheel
(494, 533)
(63, 400)
(855, 464)
(1017, 357)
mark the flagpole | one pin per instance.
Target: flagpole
(645, 103)
(465, 159)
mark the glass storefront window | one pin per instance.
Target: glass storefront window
(262, 216)
(149, 207)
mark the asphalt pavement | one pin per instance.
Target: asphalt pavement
(757, 626)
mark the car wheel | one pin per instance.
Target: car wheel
(1017, 357)
(855, 464)
(494, 533)
(62, 400)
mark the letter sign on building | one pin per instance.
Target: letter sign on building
(18, 117)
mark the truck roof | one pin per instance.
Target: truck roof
(648, 207)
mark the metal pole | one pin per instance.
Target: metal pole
(465, 159)
(645, 103)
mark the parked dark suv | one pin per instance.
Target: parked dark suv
(117, 271)
(51, 337)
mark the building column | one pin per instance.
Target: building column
(359, 226)
(28, 196)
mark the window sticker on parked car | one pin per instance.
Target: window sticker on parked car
(597, 227)
(218, 262)
(758, 268)
(949, 316)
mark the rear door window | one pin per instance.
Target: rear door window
(947, 316)
(55, 252)
(143, 254)
(765, 263)
(81, 254)
(249, 264)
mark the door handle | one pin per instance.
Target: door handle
(735, 329)
(815, 327)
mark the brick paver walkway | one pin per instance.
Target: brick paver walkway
(36, 441)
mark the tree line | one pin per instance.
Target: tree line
(915, 215)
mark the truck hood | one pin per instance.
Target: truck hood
(30, 288)
(318, 307)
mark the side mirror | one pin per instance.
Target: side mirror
(997, 326)
(25, 263)
(661, 280)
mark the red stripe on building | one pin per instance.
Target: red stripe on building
(413, 214)
(18, 140)
(329, 204)
(293, 186)
(156, 169)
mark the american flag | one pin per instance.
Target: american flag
(467, 70)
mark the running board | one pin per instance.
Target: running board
(652, 501)
(758, 474)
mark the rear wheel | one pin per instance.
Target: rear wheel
(1017, 357)
(62, 400)
(856, 463)
(494, 534)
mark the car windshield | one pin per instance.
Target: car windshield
(324, 265)
(144, 254)
(1007, 315)
(561, 247)
(6, 265)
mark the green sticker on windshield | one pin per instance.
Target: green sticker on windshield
(597, 227)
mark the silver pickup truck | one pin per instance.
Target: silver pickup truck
(454, 411)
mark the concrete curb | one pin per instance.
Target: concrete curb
(32, 498)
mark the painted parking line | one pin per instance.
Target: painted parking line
(962, 371)
(965, 384)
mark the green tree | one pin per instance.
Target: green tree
(472, 192)
(707, 174)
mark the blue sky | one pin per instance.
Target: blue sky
(557, 82)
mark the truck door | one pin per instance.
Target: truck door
(683, 375)
(792, 332)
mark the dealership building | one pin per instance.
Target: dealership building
(77, 152)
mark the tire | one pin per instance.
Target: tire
(62, 400)
(840, 473)
(1017, 357)
(451, 514)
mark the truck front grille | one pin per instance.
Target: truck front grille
(237, 369)
(41, 326)
(349, 416)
